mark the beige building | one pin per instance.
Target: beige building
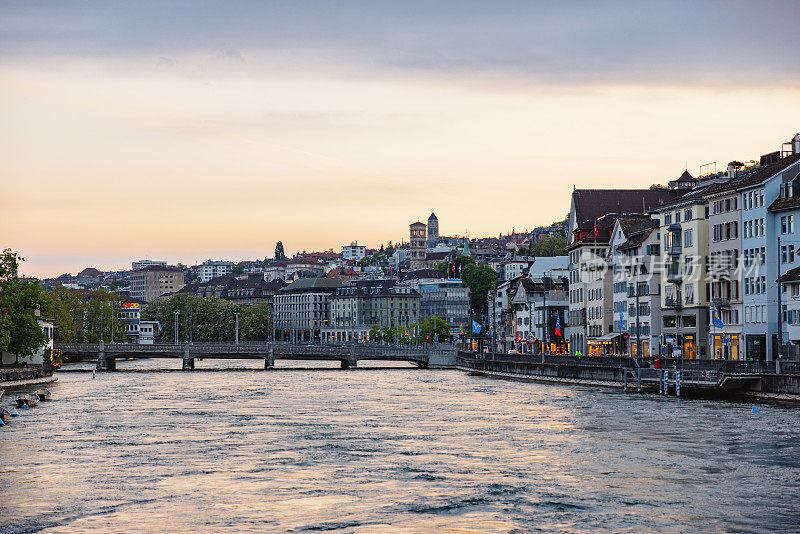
(151, 282)
(362, 304)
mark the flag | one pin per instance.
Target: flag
(716, 319)
(557, 329)
(595, 230)
(476, 327)
(621, 320)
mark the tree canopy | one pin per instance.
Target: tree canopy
(550, 246)
(20, 333)
(208, 319)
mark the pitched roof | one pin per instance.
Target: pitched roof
(686, 177)
(591, 204)
(636, 229)
(313, 284)
(753, 176)
(90, 271)
(792, 275)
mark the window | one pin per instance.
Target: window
(689, 293)
(790, 223)
(677, 216)
(687, 215)
(667, 219)
(687, 238)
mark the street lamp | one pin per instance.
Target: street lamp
(236, 315)
(177, 316)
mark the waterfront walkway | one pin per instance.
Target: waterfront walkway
(672, 376)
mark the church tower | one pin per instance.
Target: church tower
(433, 230)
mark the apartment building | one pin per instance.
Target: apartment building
(685, 299)
(211, 269)
(354, 252)
(636, 282)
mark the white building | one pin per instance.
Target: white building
(141, 264)
(760, 228)
(636, 284)
(148, 330)
(212, 269)
(354, 252)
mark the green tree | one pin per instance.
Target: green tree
(279, 252)
(255, 323)
(550, 246)
(480, 279)
(237, 269)
(375, 333)
(434, 328)
(20, 333)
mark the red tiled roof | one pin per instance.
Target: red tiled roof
(591, 204)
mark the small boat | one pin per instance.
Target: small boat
(44, 394)
(29, 400)
(5, 415)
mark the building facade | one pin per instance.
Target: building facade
(685, 299)
(141, 264)
(636, 267)
(354, 252)
(362, 304)
(301, 309)
(212, 269)
(151, 282)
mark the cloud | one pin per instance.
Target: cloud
(710, 42)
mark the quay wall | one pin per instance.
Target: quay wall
(12, 375)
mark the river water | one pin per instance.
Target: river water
(387, 450)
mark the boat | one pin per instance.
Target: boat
(5, 415)
(43, 394)
(29, 400)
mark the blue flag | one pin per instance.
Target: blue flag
(476, 327)
(716, 319)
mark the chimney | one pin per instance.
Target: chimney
(796, 144)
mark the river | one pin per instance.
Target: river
(382, 450)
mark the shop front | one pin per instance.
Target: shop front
(726, 346)
(612, 344)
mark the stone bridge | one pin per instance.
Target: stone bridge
(348, 354)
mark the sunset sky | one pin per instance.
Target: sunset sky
(170, 131)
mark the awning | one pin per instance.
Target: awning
(606, 338)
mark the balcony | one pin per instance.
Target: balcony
(673, 303)
(720, 302)
(674, 250)
(674, 277)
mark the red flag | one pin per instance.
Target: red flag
(595, 229)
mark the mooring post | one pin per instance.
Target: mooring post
(625, 379)
(677, 383)
(269, 363)
(638, 379)
(188, 361)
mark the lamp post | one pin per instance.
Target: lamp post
(176, 315)
(236, 315)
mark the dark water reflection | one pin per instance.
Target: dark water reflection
(387, 450)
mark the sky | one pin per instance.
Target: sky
(186, 131)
